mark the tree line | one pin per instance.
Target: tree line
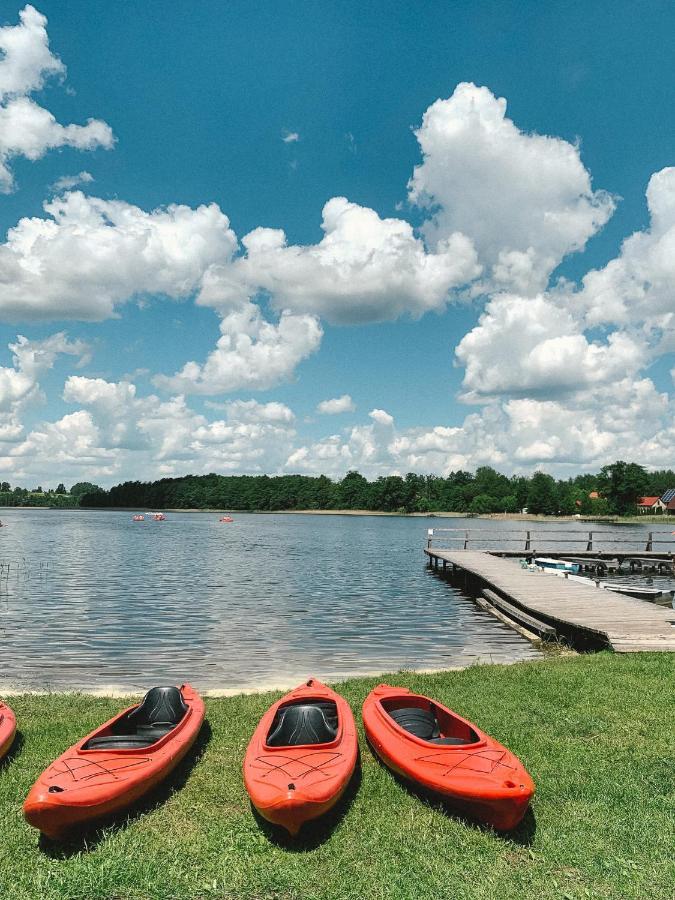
(612, 491)
(57, 498)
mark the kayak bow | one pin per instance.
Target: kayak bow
(440, 752)
(7, 728)
(301, 756)
(118, 763)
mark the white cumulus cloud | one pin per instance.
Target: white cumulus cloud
(151, 436)
(336, 405)
(26, 59)
(639, 284)
(381, 417)
(364, 269)
(68, 182)
(26, 128)
(89, 255)
(19, 383)
(251, 353)
(258, 413)
(71, 448)
(535, 346)
(524, 200)
(628, 419)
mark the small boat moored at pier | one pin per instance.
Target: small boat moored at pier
(302, 756)
(443, 754)
(115, 765)
(7, 728)
(639, 591)
(558, 565)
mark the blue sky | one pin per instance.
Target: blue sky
(455, 310)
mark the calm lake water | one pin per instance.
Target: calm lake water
(94, 600)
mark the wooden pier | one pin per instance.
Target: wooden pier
(584, 616)
(595, 549)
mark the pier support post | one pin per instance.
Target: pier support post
(589, 545)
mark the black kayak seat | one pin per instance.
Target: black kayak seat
(159, 713)
(422, 723)
(304, 723)
(119, 742)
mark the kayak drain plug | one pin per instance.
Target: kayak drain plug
(55, 789)
(291, 787)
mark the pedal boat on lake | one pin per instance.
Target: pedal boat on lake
(441, 753)
(117, 764)
(557, 565)
(302, 756)
(7, 728)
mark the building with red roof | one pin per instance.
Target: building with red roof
(650, 505)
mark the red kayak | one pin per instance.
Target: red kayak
(118, 763)
(7, 728)
(301, 756)
(442, 753)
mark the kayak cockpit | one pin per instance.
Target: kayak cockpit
(306, 722)
(429, 722)
(162, 709)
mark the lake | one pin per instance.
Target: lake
(92, 600)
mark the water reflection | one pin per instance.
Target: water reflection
(92, 599)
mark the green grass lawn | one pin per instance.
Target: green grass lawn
(597, 733)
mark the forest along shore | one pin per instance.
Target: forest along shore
(616, 490)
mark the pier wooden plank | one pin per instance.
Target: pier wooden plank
(523, 618)
(624, 623)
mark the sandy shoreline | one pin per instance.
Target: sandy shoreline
(9, 690)
(499, 517)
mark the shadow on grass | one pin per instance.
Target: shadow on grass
(316, 831)
(13, 751)
(523, 834)
(88, 838)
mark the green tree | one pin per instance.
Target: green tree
(622, 484)
(61, 488)
(520, 486)
(483, 503)
(567, 497)
(542, 497)
(84, 487)
(660, 482)
(388, 494)
(490, 482)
